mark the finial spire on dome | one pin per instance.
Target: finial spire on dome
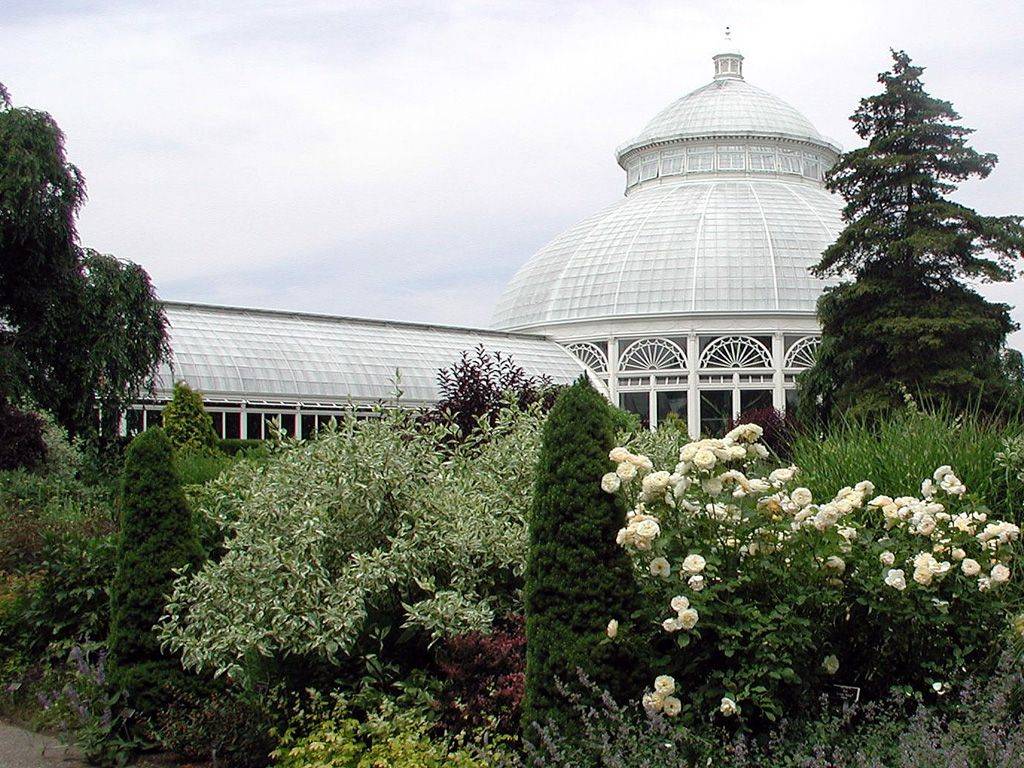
(728, 64)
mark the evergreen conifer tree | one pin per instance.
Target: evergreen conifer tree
(909, 320)
(187, 423)
(577, 577)
(157, 536)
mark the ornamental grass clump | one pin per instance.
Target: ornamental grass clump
(577, 580)
(763, 596)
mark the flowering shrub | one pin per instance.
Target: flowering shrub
(779, 428)
(763, 595)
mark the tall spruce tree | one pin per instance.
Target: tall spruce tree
(157, 537)
(909, 320)
(577, 578)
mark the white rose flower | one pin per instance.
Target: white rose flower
(665, 685)
(970, 567)
(648, 529)
(896, 579)
(619, 455)
(626, 471)
(613, 629)
(672, 625)
(1000, 574)
(830, 664)
(696, 582)
(693, 564)
(671, 706)
(941, 472)
(728, 707)
(782, 475)
(704, 459)
(712, 486)
(680, 603)
(660, 567)
(887, 558)
(923, 575)
(611, 482)
(801, 497)
(688, 618)
(959, 554)
(836, 564)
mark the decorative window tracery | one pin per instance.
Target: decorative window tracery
(590, 355)
(803, 352)
(736, 352)
(653, 355)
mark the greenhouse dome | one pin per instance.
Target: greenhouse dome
(692, 295)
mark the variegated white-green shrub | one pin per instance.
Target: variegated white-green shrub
(369, 529)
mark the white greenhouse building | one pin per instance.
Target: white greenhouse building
(689, 296)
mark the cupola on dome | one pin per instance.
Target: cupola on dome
(725, 211)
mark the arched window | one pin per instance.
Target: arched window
(653, 355)
(736, 352)
(803, 353)
(590, 355)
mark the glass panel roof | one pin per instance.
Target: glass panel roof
(690, 246)
(230, 353)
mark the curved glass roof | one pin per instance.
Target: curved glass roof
(255, 355)
(727, 106)
(714, 245)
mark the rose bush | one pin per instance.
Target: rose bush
(760, 596)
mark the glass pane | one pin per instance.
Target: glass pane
(791, 400)
(672, 404)
(308, 425)
(288, 424)
(232, 426)
(638, 403)
(715, 411)
(254, 423)
(217, 417)
(755, 399)
(133, 422)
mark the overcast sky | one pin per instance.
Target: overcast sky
(403, 159)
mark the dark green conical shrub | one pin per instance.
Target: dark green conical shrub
(157, 536)
(577, 577)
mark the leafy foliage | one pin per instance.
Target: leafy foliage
(37, 512)
(576, 578)
(909, 318)
(388, 738)
(76, 327)
(477, 388)
(21, 438)
(484, 678)
(186, 422)
(225, 727)
(157, 539)
(357, 549)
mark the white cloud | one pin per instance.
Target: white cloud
(402, 159)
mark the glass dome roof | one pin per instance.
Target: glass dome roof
(725, 212)
(694, 246)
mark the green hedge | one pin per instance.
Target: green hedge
(235, 447)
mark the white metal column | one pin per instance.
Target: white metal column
(692, 390)
(778, 378)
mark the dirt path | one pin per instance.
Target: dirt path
(23, 749)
